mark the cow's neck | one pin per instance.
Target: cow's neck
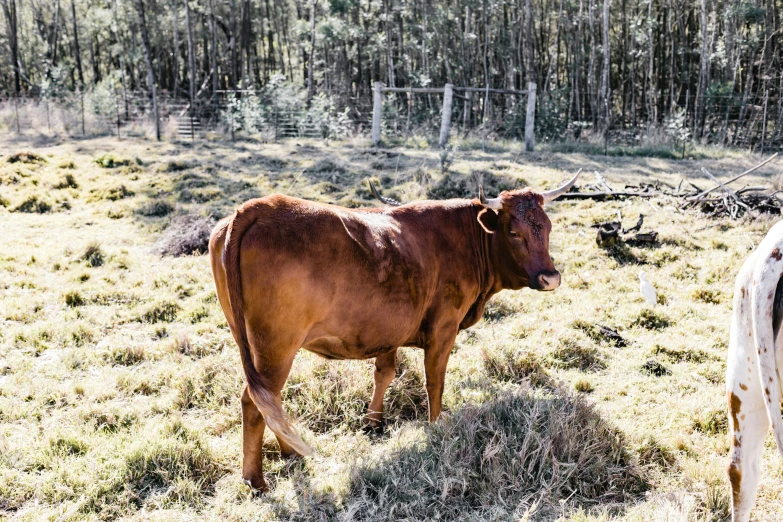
(481, 254)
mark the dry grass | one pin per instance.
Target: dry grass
(120, 382)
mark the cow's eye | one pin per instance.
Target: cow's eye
(513, 234)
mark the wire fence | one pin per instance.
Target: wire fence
(744, 121)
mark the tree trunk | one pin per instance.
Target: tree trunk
(310, 61)
(605, 86)
(9, 8)
(175, 30)
(214, 56)
(145, 38)
(76, 52)
(704, 64)
(191, 56)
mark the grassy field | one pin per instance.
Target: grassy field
(120, 382)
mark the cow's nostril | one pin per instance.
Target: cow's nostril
(549, 281)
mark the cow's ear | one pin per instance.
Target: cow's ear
(489, 220)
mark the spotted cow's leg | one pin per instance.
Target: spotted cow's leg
(384, 375)
(748, 427)
(748, 421)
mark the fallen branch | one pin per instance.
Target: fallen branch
(601, 196)
(735, 178)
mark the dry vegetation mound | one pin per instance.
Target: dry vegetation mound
(186, 234)
(507, 452)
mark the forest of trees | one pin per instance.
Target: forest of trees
(714, 64)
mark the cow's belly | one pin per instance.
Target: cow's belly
(336, 348)
(358, 334)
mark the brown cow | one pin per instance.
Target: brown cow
(357, 284)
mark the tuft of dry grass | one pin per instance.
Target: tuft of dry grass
(570, 354)
(495, 457)
(186, 234)
(26, 157)
(33, 205)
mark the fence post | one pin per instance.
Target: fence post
(445, 120)
(377, 101)
(81, 95)
(530, 118)
(16, 110)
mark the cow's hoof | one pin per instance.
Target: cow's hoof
(374, 428)
(258, 490)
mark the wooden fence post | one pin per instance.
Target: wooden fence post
(530, 118)
(445, 121)
(377, 102)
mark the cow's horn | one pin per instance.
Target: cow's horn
(551, 195)
(494, 203)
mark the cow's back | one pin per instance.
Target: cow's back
(355, 282)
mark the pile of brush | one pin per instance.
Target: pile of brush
(718, 201)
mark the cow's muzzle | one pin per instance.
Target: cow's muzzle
(547, 281)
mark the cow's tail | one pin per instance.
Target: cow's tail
(769, 269)
(265, 401)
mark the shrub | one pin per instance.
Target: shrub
(571, 355)
(33, 205)
(163, 312)
(175, 166)
(653, 367)
(66, 446)
(73, 299)
(117, 193)
(675, 356)
(126, 355)
(108, 161)
(501, 453)
(26, 157)
(94, 255)
(711, 422)
(510, 366)
(706, 295)
(109, 421)
(651, 320)
(186, 234)
(67, 182)
(583, 386)
(652, 452)
(67, 165)
(158, 208)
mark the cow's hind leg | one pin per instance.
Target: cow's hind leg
(273, 363)
(749, 424)
(384, 375)
(253, 426)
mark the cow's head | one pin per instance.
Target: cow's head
(520, 229)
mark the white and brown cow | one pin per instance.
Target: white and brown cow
(755, 357)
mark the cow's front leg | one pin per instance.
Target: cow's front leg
(384, 375)
(436, 357)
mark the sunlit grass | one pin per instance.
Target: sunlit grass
(120, 382)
